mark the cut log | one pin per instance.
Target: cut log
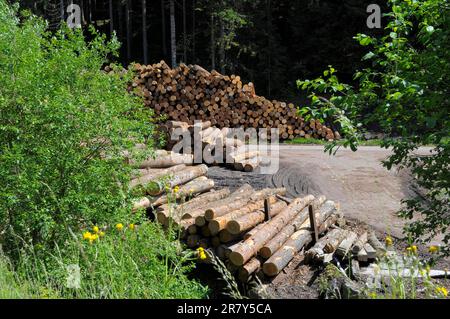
(362, 255)
(334, 242)
(316, 253)
(221, 222)
(249, 221)
(359, 243)
(346, 244)
(245, 155)
(284, 255)
(248, 165)
(199, 185)
(371, 252)
(142, 203)
(142, 180)
(226, 237)
(250, 247)
(168, 159)
(187, 209)
(249, 268)
(157, 187)
(375, 243)
(235, 203)
(294, 225)
(193, 241)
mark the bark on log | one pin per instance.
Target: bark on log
(187, 209)
(157, 187)
(142, 180)
(199, 185)
(168, 159)
(284, 255)
(221, 222)
(142, 203)
(250, 247)
(334, 242)
(220, 210)
(249, 268)
(298, 222)
(251, 220)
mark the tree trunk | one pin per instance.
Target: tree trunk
(184, 33)
(163, 29)
(193, 31)
(197, 186)
(142, 180)
(144, 31)
(173, 40)
(213, 44)
(111, 18)
(128, 24)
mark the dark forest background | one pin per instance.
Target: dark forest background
(271, 43)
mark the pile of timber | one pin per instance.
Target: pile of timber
(251, 230)
(217, 146)
(189, 92)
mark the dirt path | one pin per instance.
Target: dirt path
(365, 189)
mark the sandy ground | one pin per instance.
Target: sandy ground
(357, 180)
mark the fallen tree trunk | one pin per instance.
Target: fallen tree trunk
(317, 252)
(250, 247)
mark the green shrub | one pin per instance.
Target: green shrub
(64, 127)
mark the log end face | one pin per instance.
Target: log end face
(214, 227)
(236, 258)
(209, 214)
(200, 221)
(265, 252)
(270, 269)
(233, 227)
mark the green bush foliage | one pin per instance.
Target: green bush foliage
(64, 127)
(406, 89)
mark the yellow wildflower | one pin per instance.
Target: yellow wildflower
(412, 249)
(433, 249)
(373, 295)
(119, 226)
(95, 229)
(87, 235)
(131, 226)
(442, 290)
(201, 253)
(176, 189)
(388, 240)
(101, 234)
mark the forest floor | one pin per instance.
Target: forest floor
(368, 194)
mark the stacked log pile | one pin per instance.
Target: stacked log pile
(217, 146)
(253, 231)
(189, 92)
